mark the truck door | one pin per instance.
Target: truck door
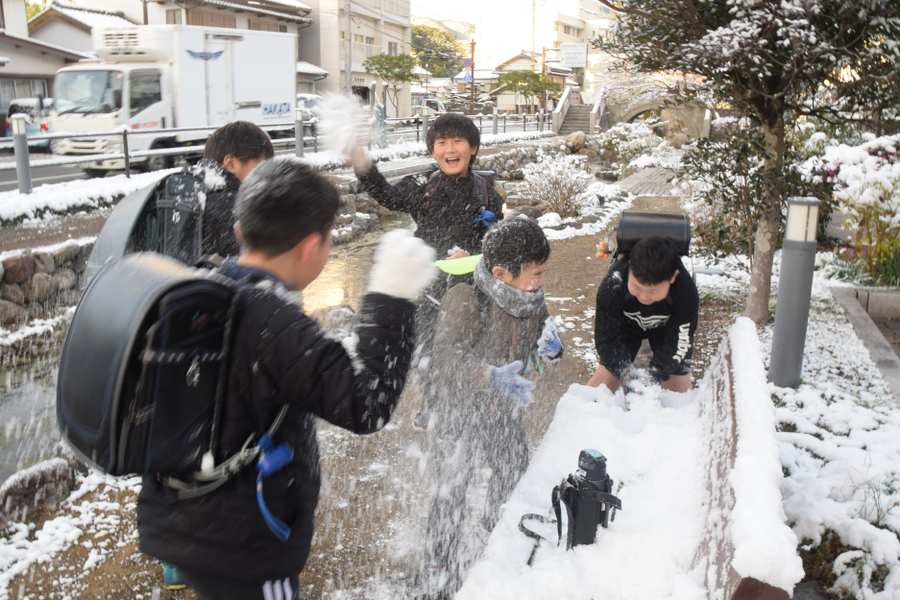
(148, 106)
(217, 70)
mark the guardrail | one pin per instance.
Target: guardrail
(398, 130)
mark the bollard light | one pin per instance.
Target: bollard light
(20, 147)
(798, 257)
(18, 124)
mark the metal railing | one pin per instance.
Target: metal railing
(398, 130)
(562, 108)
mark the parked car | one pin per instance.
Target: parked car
(309, 102)
(35, 117)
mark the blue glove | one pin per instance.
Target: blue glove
(549, 346)
(506, 379)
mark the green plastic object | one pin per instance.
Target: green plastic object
(458, 266)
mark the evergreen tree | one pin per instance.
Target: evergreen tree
(774, 60)
(436, 50)
(528, 83)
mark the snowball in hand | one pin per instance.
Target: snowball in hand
(341, 122)
(403, 265)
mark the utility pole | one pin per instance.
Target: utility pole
(348, 58)
(543, 74)
(472, 71)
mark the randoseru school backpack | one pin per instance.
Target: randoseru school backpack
(142, 378)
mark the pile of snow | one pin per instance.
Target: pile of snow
(63, 197)
(658, 446)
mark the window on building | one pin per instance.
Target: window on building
(342, 36)
(370, 41)
(359, 38)
(570, 30)
(282, 29)
(173, 16)
(208, 18)
(145, 90)
(398, 7)
(257, 25)
(393, 49)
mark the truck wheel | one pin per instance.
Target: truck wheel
(92, 173)
(157, 163)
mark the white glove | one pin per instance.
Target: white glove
(403, 265)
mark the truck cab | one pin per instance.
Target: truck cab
(99, 97)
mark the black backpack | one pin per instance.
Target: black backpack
(142, 370)
(143, 373)
(165, 217)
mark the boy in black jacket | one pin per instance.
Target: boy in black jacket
(647, 294)
(448, 208)
(230, 154)
(220, 541)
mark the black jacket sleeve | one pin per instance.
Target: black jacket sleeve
(406, 196)
(495, 202)
(354, 388)
(678, 339)
(608, 319)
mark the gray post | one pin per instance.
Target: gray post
(424, 128)
(20, 147)
(798, 259)
(298, 133)
(125, 152)
(496, 119)
(541, 120)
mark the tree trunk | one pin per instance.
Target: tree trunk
(767, 232)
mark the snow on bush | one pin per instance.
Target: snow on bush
(557, 182)
(867, 186)
(630, 141)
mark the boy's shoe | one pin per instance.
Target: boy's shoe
(172, 579)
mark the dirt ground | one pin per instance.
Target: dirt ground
(374, 501)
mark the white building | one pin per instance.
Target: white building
(505, 28)
(69, 25)
(27, 66)
(375, 27)
(284, 16)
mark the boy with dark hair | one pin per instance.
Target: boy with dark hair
(647, 294)
(447, 208)
(280, 359)
(230, 154)
(488, 336)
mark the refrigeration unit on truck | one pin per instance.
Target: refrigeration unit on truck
(158, 77)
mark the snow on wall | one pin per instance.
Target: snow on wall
(701, 501)
(745, 534)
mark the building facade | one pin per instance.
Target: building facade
(374, 27)
(280, 16)
(27, 66)
(69, 25)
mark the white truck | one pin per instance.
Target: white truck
(159, 77)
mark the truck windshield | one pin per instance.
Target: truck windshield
(88, 91)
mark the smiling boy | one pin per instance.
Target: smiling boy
(447, 208)
(647, 294)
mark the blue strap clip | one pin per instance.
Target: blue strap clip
(273, 459)
(487, 217)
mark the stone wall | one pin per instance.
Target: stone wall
(32, 283)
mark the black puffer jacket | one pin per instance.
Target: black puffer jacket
(280, 357)
(221, 187)
(447, 217)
